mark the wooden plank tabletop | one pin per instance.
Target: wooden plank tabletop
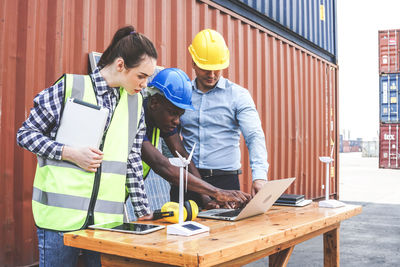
(226, 241)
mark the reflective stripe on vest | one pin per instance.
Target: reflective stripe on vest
(154, 141)
(63, 191)
(75, 202)
(106, 166)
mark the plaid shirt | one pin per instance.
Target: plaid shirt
(38, 132)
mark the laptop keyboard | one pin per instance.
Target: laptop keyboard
(231, 213)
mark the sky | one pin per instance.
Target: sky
(358, 23)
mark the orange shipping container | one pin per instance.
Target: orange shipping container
(389, 49)
(296, 92)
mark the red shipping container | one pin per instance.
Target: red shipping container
(346, 148)
(389, 146)
(389, 48)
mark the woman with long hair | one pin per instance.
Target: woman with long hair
(78, 186)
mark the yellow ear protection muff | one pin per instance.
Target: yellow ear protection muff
(170, 211)
(174, 208)
(192, 210)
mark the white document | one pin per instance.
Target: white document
(82, 124)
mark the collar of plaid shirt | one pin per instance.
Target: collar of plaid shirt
(101, 84)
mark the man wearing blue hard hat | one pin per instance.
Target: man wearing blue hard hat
(169, 95)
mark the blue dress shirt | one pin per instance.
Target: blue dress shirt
(215, 125)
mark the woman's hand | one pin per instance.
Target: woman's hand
(87, 158)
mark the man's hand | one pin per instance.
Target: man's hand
(146, 217)
(237, 196)
(257, 185)
(229, 199)
(209, 203)
(87, 158)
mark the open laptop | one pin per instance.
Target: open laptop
(259, 204)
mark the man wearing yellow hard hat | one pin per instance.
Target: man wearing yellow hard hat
(222, 111)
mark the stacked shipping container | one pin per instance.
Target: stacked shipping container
(389, 97)
(313, 22)
(389, 154)
(350, 145)
(389, 94)
(389, 51)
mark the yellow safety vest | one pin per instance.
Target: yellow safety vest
(154, 141)
(66, 197)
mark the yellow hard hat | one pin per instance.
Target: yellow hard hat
(209, 50)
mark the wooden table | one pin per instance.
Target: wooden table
(272, 234)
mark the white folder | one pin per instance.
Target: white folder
(82, 124)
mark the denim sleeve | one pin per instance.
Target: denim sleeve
(250, 126)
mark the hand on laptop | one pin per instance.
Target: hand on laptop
(213, 204)
(257, 185)
(236, 196)
(209, 203)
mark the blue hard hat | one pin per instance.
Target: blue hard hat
(176, 87)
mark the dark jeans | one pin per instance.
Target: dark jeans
(228, 182)
(53, 252)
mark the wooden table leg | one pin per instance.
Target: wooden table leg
(280, 258)
(331, 248)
